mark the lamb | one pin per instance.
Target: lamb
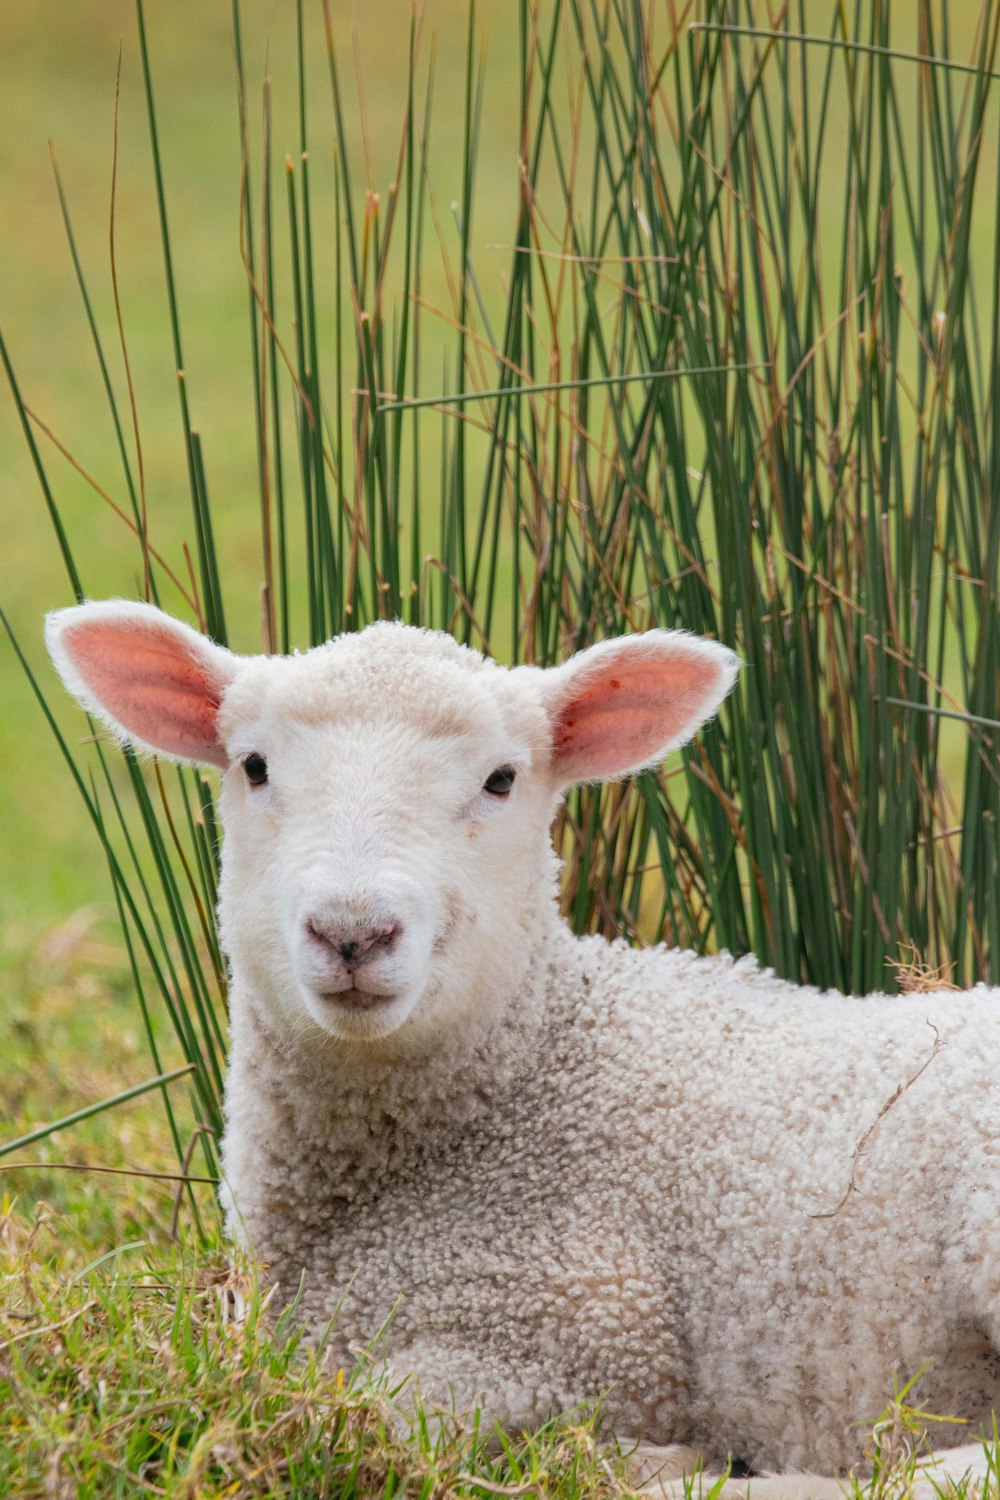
(554, 1166)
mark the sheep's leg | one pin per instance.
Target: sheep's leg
(653, 1468)
(667, 1482)
(761, 1487)
(677, 1472)
(952, 1465)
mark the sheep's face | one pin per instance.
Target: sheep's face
(386, 798)
(398, 841)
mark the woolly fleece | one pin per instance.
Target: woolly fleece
(636, 1181)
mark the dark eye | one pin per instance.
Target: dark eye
(255, 767)
(500, 781)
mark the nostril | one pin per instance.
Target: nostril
(368, 943)
(354, 943)
(387, 936)
(316, 932)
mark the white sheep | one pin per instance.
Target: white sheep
(564, 1167)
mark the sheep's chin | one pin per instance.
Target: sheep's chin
(360, 1023)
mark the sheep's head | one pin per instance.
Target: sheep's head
(386, 798)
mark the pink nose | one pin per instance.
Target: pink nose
(353, 942)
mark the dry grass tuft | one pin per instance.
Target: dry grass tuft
(914, 977)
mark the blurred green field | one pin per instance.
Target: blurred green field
(57, 80)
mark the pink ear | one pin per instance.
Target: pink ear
(623, 704)
(153, 680)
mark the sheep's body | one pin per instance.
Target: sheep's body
(638, 1183)
(734, 1207)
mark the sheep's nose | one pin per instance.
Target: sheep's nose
(356, 943)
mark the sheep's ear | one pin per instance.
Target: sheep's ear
(621, 705)
(151, 679)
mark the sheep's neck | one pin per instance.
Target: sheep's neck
(356, 1107)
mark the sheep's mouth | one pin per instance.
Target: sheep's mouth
(355, 999)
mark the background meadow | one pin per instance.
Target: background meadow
(735, 298)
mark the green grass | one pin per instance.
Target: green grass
(157, 1374)
(699, 328)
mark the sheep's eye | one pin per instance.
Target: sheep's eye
(255, 767)
(500, 781)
